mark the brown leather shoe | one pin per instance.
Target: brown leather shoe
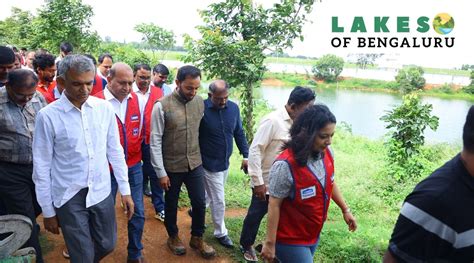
(140, 260)
(176, 245)
(199, 244)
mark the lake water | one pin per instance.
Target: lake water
(362, 110)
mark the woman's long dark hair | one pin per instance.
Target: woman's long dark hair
(305, 129)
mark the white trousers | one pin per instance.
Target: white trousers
(214, 183)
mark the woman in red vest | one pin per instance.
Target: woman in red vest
(301, 188)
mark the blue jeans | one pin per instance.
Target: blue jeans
(149, 174)
(292, 253)
(135, 225)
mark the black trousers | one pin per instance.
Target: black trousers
(194, 181)
(257, 210)
(17, 194)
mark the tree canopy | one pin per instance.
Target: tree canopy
(235, 37)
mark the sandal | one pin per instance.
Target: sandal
(249, 254)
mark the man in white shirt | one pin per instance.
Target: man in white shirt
(118, 93)
(75, 140)
(272, 132)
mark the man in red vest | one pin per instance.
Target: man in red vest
(127, 110)
(301, 188)
(147, 95)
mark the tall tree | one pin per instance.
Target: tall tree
(65, 20)
(234, 38)
(157, 37)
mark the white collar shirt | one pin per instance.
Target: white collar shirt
(72, 149)
(120, 108)
(142, 98)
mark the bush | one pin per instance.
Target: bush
(410, 79)
(468, 89)
(125, 53)
(328, 67)
(447, 88)
(408, 122)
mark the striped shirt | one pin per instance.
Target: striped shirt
(17, 125)
(436, 222)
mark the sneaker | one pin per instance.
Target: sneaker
(206, 250)
(176, 245)
(160, 216)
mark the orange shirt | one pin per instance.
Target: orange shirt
(46, 91)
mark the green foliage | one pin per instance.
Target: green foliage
(328, 67)
(125, 53)
(17, 28)
(64, 20)
(470, 89)
(407, 123)
(234, 37)
(410, 79)
(156, 37)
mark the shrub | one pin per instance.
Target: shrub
(410, 79)
(407, 123)
(328, 67)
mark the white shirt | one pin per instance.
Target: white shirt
(272, 132)
(72, 149)
(142, 98)
(120, 108)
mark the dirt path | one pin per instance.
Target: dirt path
(154, 240)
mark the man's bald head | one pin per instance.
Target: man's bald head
(119, 67)
(219, 93)
(120, 80)
(218, 85)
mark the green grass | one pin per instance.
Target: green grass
(358, 163)
(444, 71)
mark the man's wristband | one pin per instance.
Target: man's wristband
(346, 211)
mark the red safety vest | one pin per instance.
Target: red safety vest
(99, 84)
(130, 136)
(303, 216)
(155, 94)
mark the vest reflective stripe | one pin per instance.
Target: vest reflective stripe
(155, 94)
(130, 136)
(302, 218)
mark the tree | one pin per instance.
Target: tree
(364, 60)
(234, 38)
(64, 20)
(470, 89)
(328, 67)
(410, 79)
(407, 123)
(156, 37)
(17, 29)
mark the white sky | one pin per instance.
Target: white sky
(117, 19)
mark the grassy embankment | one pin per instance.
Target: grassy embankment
(359, 166)
(293, 79)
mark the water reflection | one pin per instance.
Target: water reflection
(362, 110)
